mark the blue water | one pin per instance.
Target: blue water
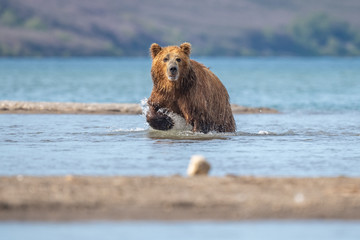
(277, 230)
(288, 84)
(265, 145)
(317, 134)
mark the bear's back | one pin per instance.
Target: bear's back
(210, 100)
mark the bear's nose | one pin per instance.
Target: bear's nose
(173, 70)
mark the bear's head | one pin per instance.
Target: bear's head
(171, 65)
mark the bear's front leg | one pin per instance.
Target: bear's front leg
(198, 123)
(157, 119)
(201, 126)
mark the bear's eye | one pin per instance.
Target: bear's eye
(166, 59)
(178, 60)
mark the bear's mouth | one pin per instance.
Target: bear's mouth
(173, 77)
(172, 73)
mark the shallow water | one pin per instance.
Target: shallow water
(287, 84)
(265, 145)
(318, 134)
(302, 230)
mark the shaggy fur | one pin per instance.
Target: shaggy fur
(188, 88)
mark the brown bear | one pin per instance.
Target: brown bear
(189, 89)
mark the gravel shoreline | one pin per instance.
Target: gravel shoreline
(177, 198)
(11, 107)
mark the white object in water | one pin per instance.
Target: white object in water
(198, 166)
(179, 122)
(263, 132)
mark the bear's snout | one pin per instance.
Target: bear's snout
(173, 72)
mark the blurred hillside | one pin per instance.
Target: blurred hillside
(228, 27)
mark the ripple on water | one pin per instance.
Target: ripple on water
(265, 145)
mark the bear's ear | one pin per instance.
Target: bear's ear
(186, 48)
(154, 50)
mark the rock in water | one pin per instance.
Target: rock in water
(198, 166)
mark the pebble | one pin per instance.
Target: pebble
(69, 178)
(20, 178)
(299, 198)
(198, 166)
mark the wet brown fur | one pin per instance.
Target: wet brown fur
(197, 95)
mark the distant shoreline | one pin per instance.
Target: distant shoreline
(24, 107)
(71, 198)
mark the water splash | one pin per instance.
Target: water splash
(264, 133)
(137, 129)
(179, 121)
(187, 135)
(144, 106)
(183, 130)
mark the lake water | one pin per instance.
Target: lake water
(288, 84)
(277, 230)
(317, 134)
(294, 144)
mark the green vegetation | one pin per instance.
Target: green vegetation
(11, 18)
(35, 23)
(8, 18)
(322, 35)
(27, 31)
(317, 35)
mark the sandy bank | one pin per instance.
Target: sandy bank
(95, 108)
(178, 198)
